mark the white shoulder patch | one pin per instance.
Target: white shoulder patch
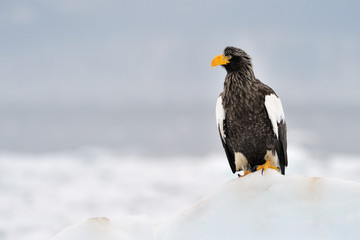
(275, 111)
(220, 116)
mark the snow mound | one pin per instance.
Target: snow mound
(272, 206)
(128, 228)
(268, 206)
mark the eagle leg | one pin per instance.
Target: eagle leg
(265, 166)
(245, 173)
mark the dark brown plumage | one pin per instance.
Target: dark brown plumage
(250, 117)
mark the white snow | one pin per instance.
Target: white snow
(41, 194)
(275, 111)
(256, 206)
(128, 228)
(272, 206)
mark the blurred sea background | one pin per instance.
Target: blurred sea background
(108, 107)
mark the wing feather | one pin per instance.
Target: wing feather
(222, 127)
(277, 117)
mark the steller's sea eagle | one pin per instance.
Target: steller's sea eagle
(250, 117)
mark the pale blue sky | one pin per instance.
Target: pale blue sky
(74, 59)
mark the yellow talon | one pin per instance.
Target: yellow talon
(265, 166)
(245, 173)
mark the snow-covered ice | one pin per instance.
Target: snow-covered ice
(272, 206)
(257, 206)
(42, 194)
(128, 228)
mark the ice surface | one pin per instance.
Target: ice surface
(272, 206)
(257, 206)
(41, 194)
(128, 228)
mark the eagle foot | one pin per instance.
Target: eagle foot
(265, 166)
(245, 173)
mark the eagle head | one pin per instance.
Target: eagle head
(233, 59)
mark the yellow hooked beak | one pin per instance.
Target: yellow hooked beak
(220, 60)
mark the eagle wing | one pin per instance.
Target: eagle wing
(277, 117)
(222, 127)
